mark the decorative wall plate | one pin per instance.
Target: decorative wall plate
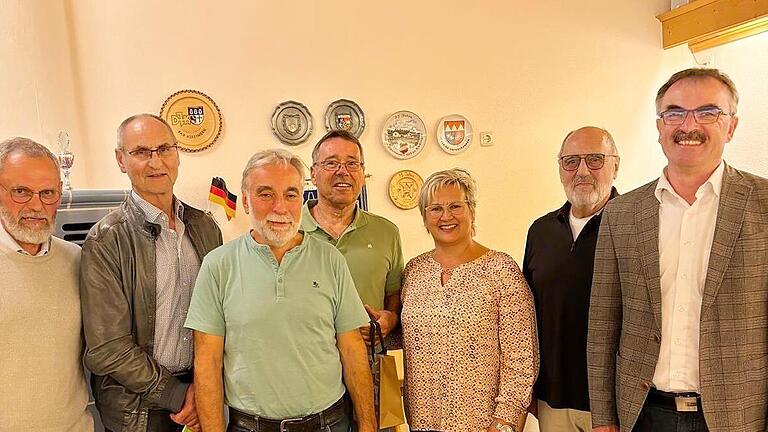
(292, 122)
(195, 119)
(404, 135)
(344, 114)
(404, 189)
(454, 133)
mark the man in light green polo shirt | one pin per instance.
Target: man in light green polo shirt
(275, 315)
(369, 243)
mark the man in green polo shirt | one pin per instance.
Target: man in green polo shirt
(369, 243)
(275, 315)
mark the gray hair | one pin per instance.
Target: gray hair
(607, 137)
(125, 123)
(272, 157)
(453, 177)
(699, 73)
(28, 148)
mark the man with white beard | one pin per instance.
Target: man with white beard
(559, 256)
(42, 386)
(275, 317)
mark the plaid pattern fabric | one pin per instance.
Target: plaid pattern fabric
(625, 309)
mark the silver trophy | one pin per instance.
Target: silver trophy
(66, 159)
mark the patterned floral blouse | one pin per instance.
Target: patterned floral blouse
(470, 346)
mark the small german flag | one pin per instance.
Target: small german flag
(221, 196)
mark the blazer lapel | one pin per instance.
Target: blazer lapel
(730, 217)
(647, 222)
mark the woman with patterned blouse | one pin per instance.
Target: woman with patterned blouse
(469, 326)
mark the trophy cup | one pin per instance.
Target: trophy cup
(66, 159)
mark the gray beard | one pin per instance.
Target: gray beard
(273, 238)
(23, 234)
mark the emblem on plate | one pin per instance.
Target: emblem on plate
(404, 135)
(454, 133)
(404, 188)
(346, 115)
(292, 122)
(195, 119)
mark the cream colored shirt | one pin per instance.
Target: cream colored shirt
(9, 243)
(685, 240)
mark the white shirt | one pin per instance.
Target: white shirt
(685, 241)
(577, 224)
(9, 243)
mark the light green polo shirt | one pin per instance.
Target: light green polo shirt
(371, 246)
(279, 324)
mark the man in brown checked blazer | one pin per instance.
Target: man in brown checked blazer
(678, 325)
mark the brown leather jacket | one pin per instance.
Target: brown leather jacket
(117, 287)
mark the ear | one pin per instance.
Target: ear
(245, 202)
(732, 128)
(119, 157)
(616, 167)
(659, 127)
(313, 175)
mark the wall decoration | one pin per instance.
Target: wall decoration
(404, 135)
(404, 188)
(292, 122)
(195, 119)
(344, 114)
(454, 133)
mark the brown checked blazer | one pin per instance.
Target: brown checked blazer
(625, 309)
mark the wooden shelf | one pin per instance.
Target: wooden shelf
(704, 24)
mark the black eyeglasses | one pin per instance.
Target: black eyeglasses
(594, 161)
(334, 166)
(145, 154)
(677, 116)
(22, 195)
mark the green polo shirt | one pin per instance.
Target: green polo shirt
(279, 324)
(371, 246)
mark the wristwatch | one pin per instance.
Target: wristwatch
(504, 427)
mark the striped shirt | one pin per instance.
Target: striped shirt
(176, 264)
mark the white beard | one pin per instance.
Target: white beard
(589, 199)
(24, 234)
(272, 237)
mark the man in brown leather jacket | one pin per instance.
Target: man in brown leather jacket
(138, 268)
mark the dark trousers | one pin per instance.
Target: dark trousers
(654, 418)
(159, 421)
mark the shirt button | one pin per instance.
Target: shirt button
(681, 308)
(280, 280)
(678, 341)
(683, 276)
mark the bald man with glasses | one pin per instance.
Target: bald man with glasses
(557, 264)
(139, 266)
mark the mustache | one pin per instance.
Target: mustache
(694, 135)
(34, 214)
(578, 179)
(280, 218)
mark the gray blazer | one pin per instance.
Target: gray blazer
(625, 309)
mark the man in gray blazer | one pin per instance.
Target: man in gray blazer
(678, 322)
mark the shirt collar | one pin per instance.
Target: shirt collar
(714, 183)
(153, 214)
(7, 242)
(309, 224)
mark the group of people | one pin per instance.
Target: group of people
(646, 311)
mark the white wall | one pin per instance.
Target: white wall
(38, 89)
(530, 72)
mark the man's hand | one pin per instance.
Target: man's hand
(609, 428)
(387, 320)
(188, 414)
